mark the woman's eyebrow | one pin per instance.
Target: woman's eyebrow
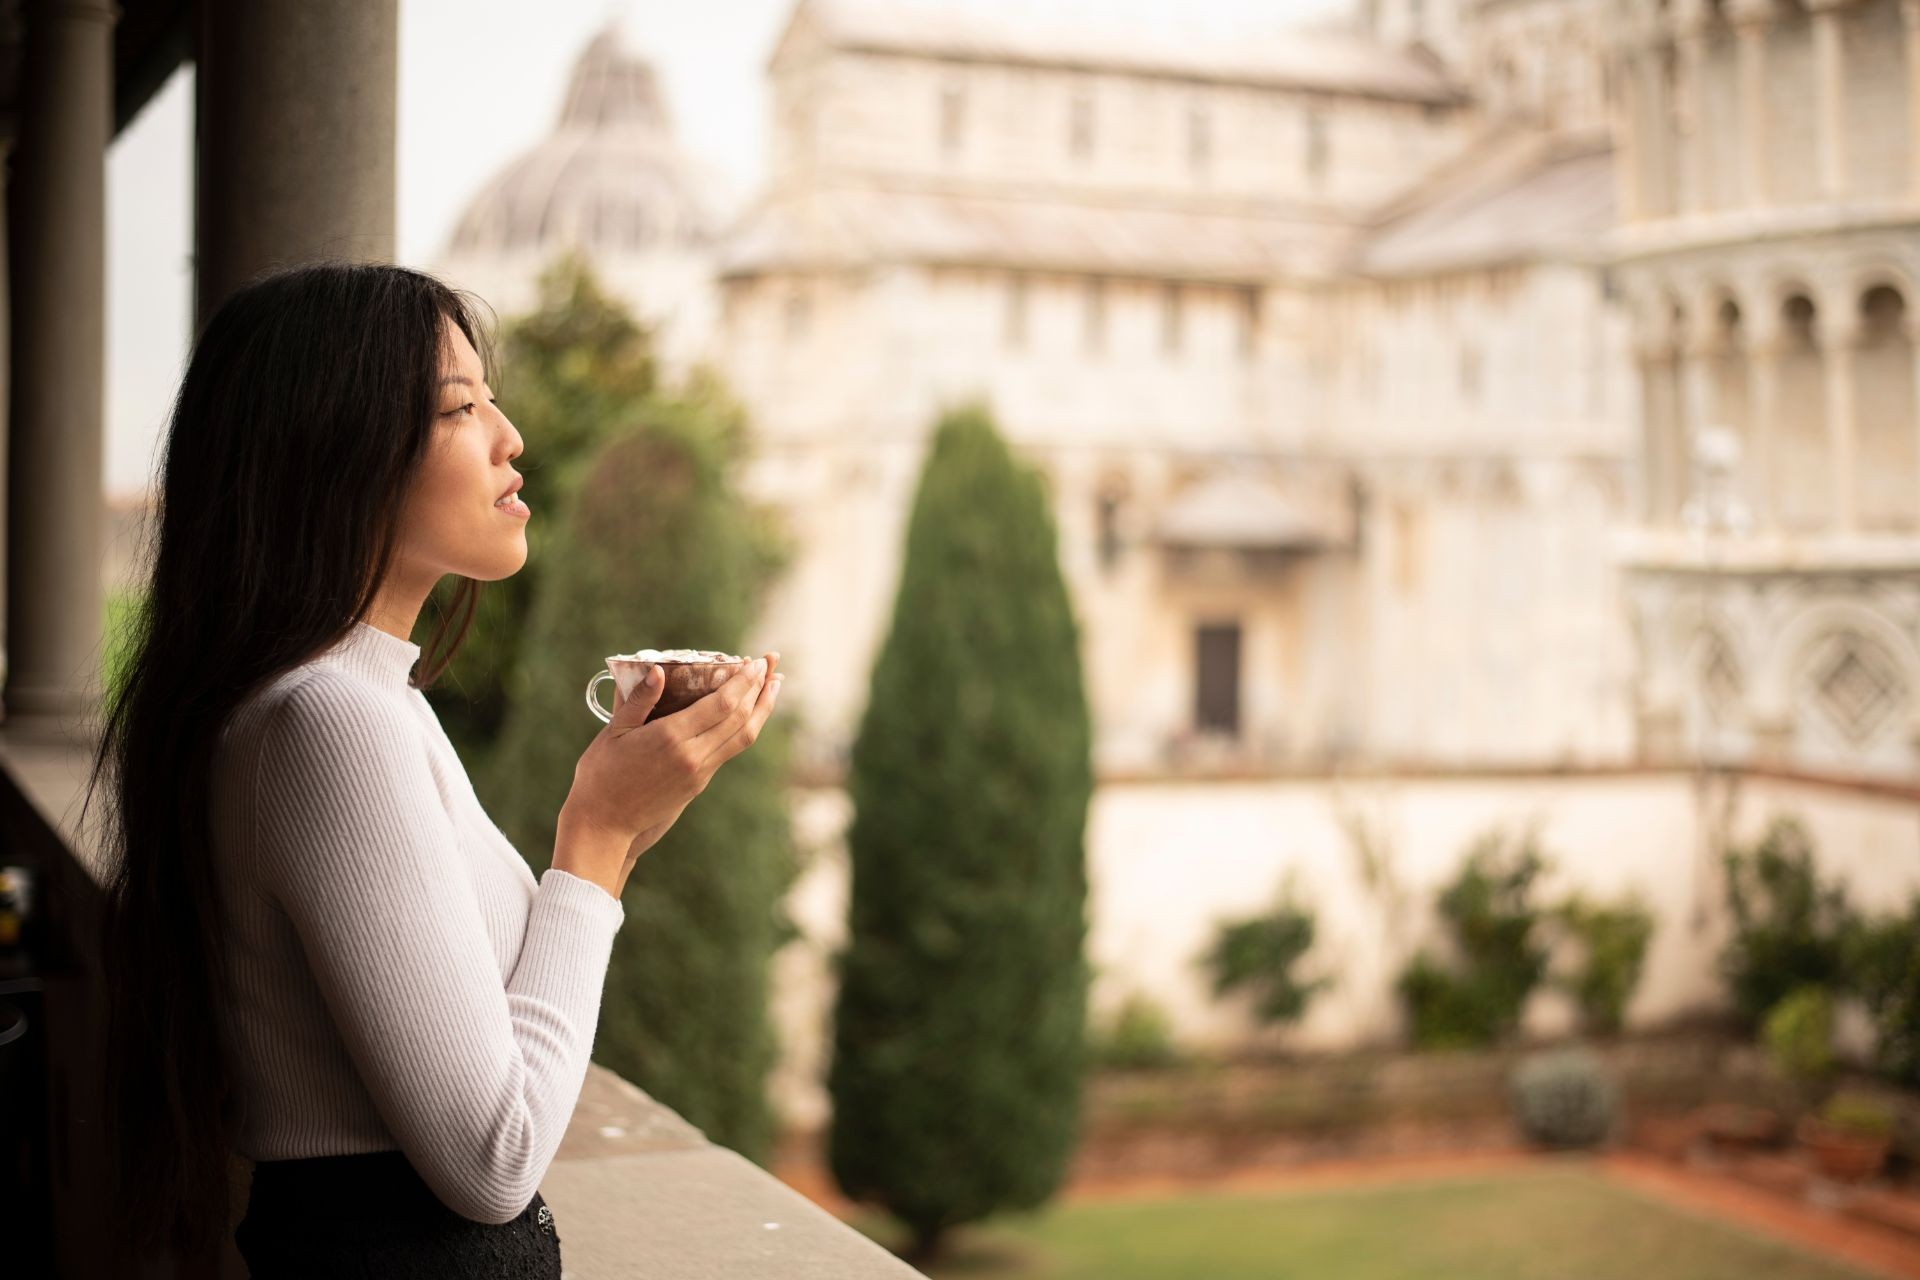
(453, 378)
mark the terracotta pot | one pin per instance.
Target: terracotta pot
(1736, 1126)
(1843, 1155)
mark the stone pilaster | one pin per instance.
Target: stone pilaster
(55, 511)
(1752, 19)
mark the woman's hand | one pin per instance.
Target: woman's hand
(635, 779)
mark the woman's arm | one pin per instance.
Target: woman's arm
(476, 1079)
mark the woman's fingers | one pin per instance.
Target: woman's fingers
(728, 702)
(743, 737)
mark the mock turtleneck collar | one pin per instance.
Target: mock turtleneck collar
(384, 658)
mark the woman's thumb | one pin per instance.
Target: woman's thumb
(633, 709)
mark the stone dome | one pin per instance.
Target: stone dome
(609, 179)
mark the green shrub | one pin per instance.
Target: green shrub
(1140, 1035)
(959, 1036)
(119, 625)
(572, 374)
(1798, 1034)
(1858, 1113)
(1789, 929)
(1259, 955)
(1612, 940)
(1494, 929)
(1883, 966)
(659, 550)
(1564, 1098)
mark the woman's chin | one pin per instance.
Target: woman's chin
(504, 565)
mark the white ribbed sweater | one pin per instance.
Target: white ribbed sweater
(399, 978)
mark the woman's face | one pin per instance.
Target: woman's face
(453, 524)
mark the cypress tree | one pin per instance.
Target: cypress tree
(657, 550)
(959, 1036)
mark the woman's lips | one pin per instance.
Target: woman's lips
(514, 506)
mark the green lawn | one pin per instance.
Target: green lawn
(1561, 1224)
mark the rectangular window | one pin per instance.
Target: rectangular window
(1096, 315)
(1249, 323)
(1199, 140)
(1170, 319)
(1016, 334)
(799, 313)
(953, 105)
(1109, 522)
(1316, 144)
(1217, 678)
(1080, 126)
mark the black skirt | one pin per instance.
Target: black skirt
(371, 1215)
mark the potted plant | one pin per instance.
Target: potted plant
(1797, 1036)
(1739, 1126)
(1849, 1136)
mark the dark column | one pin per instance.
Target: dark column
(55, 510)
(295, 137)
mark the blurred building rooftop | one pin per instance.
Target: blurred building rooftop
(1325, 58)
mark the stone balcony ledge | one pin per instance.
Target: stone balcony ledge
(636, 1190)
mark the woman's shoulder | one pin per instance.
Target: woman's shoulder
(318, 701)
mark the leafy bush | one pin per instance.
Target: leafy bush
(1883, 966)
(683, 1014)
(572, 374)
(1564, 1098)
(1789, 929)
(1798, 1033)
(1613, 944)
(1494, 928)
(1858, 1113)
(1140, 1035)
(1259, 955)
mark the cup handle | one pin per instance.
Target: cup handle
(593, 695)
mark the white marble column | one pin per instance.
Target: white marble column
(1626, 126)
(1910, 15)
(1837, 329)
(1688, 25)
(55, 507)
(1910, 330)
(1663, 428)
(1763, 394)
(1695, 356)
(1751, 20)
(1830, 96)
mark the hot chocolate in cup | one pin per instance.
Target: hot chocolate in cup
(691, 674)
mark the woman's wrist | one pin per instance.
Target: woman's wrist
(584, 850)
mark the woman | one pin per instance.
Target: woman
(320, 951)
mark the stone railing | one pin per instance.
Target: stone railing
(636, 1190)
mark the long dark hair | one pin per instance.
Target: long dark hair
(307, 405)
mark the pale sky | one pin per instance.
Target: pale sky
(480, 82)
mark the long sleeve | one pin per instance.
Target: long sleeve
(475, 1078)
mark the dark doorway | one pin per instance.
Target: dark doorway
(1217, 701)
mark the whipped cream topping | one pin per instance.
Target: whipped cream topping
(677, 655)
